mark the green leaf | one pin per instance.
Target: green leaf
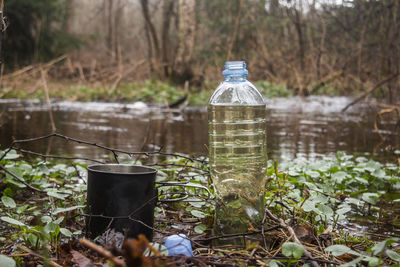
(60, 210)
(325, 210)
(66, 232)
(46, 219)
(393, 255)
(353, 263)
(373, 261)
(50, 228)
(53, 193)
(197, 204)
(6, 261)
(371, 198)
(274, 263)
(338, 177)
(338, 250)
(379, 247)
(290, 249)
(379, 173)
(12, 154)
(200, 228)
(308, 205)
(313, 174)
(198, 214)
(12, 221)
(8, 202)
(343, 210)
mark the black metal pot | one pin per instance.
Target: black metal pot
(121, 197)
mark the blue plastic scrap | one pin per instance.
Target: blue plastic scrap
(178, 245)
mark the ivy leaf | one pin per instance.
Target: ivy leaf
(308, 205)
(371, 198)
(338, 250)
(55, 193)
(8, 202)
(10, 155)
(393, 255)
(200, 228)
(198, 214)
(378, 248)
(274, 263)
(6, 261)
(12, 221)
(325, 210)
(66, 232)
(372, 261)
(343, 210)
(61, 210)
(353, 262)
(290, 249)
(50, 228)
(338, 177)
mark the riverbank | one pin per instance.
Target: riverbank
(148, 91)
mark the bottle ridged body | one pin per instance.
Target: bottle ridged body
(237, 144)
(237, 148)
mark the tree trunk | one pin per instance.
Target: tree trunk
(150, 25)
(118, 14)
(109, 12)
(182, 70)
(299, 30)
(1, 36)
(69, 10)
(168, 7)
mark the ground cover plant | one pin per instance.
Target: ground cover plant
(313, 216)
(149, 91)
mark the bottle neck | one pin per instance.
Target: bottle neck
(235, 79)
(235, 71)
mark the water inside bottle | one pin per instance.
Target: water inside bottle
(237, 143)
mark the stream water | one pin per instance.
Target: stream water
(296, 127)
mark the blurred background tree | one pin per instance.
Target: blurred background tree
(37, 31)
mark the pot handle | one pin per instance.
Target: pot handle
(184, 194)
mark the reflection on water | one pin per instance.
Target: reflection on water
(296, 127)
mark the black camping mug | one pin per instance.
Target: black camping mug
(121, 197)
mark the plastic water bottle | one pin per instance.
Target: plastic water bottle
(238, 157)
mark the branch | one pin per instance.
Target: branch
(21, 180)
(31, 252)
(293, 234)
(45, 156)
(113, 150)
(376, 86)
(105, 253)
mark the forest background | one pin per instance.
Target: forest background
(294, 47)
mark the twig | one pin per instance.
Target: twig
(52, 263)
(105, 253)
(45, 156)
(113, 150)
(292, 234)
(33, 67)
(46, 91)
(376, 86)
(21, 180)
(240, 234)
(327, 79)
